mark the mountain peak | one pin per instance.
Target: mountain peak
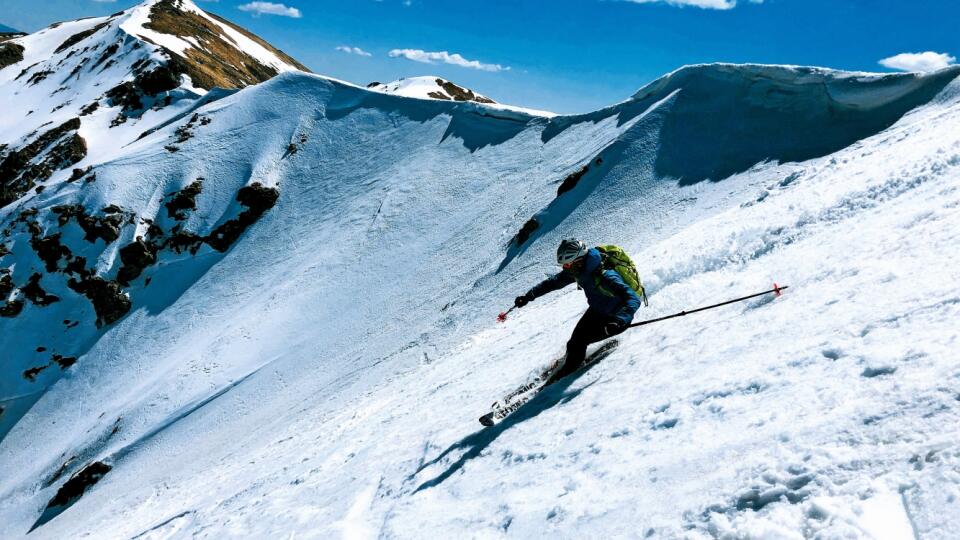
(430, 87)
(211, 50)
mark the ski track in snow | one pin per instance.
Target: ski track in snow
(323, 378)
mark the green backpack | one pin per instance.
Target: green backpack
(616, 259)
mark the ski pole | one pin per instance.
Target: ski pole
(503, 314)
(776, 290)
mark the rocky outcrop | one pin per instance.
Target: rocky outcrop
(216, 62)
(10, 53)
(458, 93)
(258, 199)
(33, 292)
(71, 491)
(135, 257)
(106, 228)
(80, 36)
(185, 199)
(108, 299)
(55, 149)
(130, 94)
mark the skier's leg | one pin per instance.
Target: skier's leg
(589, 330)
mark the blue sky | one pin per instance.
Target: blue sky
(566, 55)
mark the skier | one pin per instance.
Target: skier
(612, 302)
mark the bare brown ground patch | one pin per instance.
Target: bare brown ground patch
(217, 62)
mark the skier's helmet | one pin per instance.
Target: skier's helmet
(570, 250)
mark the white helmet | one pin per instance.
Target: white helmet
(570, 250)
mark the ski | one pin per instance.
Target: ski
(511, 402)
(525, 387)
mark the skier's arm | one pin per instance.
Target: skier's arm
(551, 284)
(631, 302)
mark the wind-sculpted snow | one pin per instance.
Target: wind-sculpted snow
(323, 373)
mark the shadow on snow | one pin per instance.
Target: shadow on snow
(475, 443)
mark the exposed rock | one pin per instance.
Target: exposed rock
(108, 299)
(78, 37)
(185, 199)
(459, 93)
(161, 79)
(77, 174)
(258, 199)
(106, 228)
(147, 83)
(571, 181)
(31, 374)
(75, 487)
(90, 108)
(39, 77)
(216, 62)
(11, 308)
(181, 241)
(23, 72)
(78, 266)
(64, 361)
(135, 256)
(124, 94)
(524, 234)
(17, 175)
(120, 119)
(36, 294)
(10, 53)
(50, 250)
(107, 53)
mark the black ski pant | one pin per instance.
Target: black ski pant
(589, 330)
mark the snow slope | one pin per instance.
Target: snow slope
(322, 374)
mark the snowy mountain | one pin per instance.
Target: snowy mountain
(270, 312)
(94, 85)
(438, 88)
(429, 87)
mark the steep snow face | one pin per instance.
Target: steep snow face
(319, 371)
(430, 87)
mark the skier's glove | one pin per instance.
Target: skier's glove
(613, 328)
(523, 300)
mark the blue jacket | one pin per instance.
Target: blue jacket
(621, 305)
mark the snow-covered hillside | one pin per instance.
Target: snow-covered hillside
(76, 93)
(286, 325)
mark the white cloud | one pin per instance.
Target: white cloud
(353, 50)
(443, 56)
(703, 4)
(270, 8)
(925, 61)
